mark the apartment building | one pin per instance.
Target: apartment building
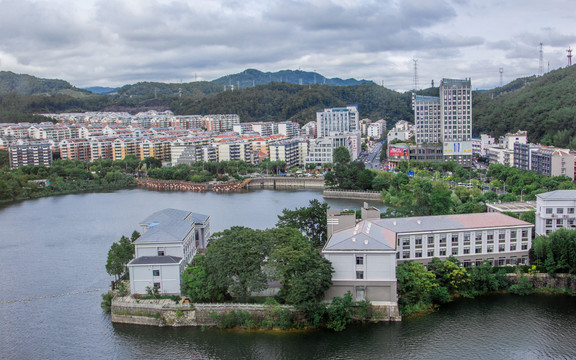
(76, 149)
(337, 120)
(30, 155)
(376, 129)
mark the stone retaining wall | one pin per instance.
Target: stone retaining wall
(127, 310)
(540, 280)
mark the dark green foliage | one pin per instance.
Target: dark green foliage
(311, 221)
(197, 286)
(234, 261)
(557, 251)
(106, 303)
(544, 106)
(65, 176)
(252, 77)
(119, 256)
(524, 287)
(340, 312)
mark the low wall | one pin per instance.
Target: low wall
(286, 183)
(540, 280)
(126, 310)
(352, 194)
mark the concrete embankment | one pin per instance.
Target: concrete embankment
(286, 183)
(351, 194)
(164, 312)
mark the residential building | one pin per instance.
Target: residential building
(551, 161)
(555, 210)
(402, 131)
(337, 120)
(30, 155)
(286, 151)
(377, 129)
(427, 119)
(363, 256)
(75, 149)
(322, 150)
(170, 239)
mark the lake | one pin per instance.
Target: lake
(53, 252)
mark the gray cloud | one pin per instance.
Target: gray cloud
(112, 42)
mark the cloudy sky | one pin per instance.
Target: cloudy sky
(117, 42)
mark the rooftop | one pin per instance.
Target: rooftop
(153, 260)
(169, 225)
(514, 206)
(558, 195)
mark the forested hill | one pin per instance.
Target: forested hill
(290, 102)
(30, 85)
(544, 106)
(253, 77)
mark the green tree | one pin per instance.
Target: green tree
(197, 286)
(311, 221)
(415, 284)
(119, 256)
(235, 259)
(304, 274)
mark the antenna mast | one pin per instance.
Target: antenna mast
(415, 74)
(569, 51)
(501, 70)
(541, 62)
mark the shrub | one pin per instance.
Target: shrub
(524, 287)
(106, 303)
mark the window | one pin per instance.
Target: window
(155, 272)
(524, 246)
(524, 233)
(442, 252)
(548, 222)
(157, 285)
(418, 253)
(501, 248)
(160, 252)
(405, 241)
(570, 210)
(359, 260)
(430, 240)
(512, 247)
(502, 235)
(548, 210)
(418, 241)
(560, 210)
(443, 240)
(455, 251)
(359, 275)
(478, 236)
(454, 238)
(360, 291)
(490, 236)
(405, 254)
(478, 249)
(490, 248)
(559, 222)
(430, 252)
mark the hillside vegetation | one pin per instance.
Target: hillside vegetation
(544, 106)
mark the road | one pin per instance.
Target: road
(372, 159)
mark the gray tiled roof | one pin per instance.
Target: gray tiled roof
(366, 235)
(558, 195)
(153, 260)
(169, 225)
(449, 222)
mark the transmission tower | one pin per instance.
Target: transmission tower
(415, 74)
(541, 62)
(569, 51)
(501, 70)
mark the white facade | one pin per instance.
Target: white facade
(164, 276)
(337, 120)
(377, 129)
(555, 210)
(169, 241)
(322, 150)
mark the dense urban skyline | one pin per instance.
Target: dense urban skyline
(113, 43)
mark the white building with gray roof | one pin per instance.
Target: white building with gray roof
(555, 210)
(169, 241)
(364, 254)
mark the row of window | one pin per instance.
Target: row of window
(465, 236)
(560, 210)
(418, 253)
